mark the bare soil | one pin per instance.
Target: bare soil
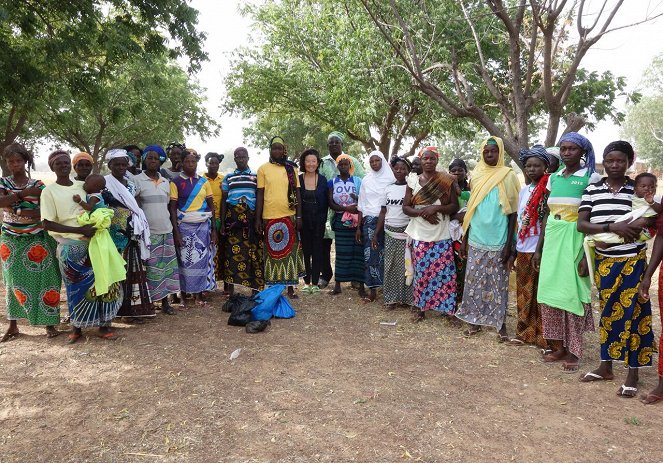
(330, 385)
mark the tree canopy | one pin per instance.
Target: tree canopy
(46, 45)
(644, 120)
(140, 103)
(321, 63)
(512, 66)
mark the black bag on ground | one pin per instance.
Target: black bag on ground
(234, 300)
(240, 313)
(256, 326)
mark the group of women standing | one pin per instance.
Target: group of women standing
(431, 240)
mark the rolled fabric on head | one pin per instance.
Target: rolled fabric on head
(81, 156)
(585, 144)
(157, 149)
(536, 151)
(431, 149)
(623, 147)
(553, 151)
(336, 134)
(55, 155)
(116, 154)
(349, 159)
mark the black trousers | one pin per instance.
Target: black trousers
(312, 247)
(327, 269)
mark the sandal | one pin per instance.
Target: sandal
(570, 367)
(502, 338)
(367, 300)
(314, 289)
(651, 399)
(627, 392)
(108, 336)
(72, 338)
(516, 342)
(590, 377)
(471, 332)
(10, 336)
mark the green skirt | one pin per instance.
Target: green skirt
(560, 286)
(32, 278)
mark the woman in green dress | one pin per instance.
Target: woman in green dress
(29, 267)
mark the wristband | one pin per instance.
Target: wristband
(606, 227)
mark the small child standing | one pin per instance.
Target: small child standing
(108, 265)
(531, 211)
(93, 186)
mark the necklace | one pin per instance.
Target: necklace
(614, 190)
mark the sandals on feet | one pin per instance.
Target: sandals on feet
(627, 392)
(516, 342)
(502, 338)
(590, 377)
(10, 336)
(72, 338)
(108, 336)
(570, 367)
(651, 399)
(471, 332)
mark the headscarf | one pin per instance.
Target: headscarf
(80, 156)
(432, 149)
(402, 159)
(172, 145)
(132, 158)
(157, 149)
(289, 169)
(485, 178)
(623, 147)
(139, 224)
(373, 186)
(536, 151)
(585, 144)
(536, 203)
(465, 186)
(55, 155)
(349, 158)
(336, 134)
(116, 154)
(554, 152)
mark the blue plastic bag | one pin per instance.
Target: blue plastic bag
(267, 299)
(283, 308)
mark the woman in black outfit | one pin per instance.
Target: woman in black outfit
(313, 190)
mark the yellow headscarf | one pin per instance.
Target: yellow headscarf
(349, 158)
(484, 178)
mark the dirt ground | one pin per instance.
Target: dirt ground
(330, 385)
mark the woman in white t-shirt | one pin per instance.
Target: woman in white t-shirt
(394, 221)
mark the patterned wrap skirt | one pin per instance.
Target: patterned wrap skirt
(625, 329)
(373, 258)
(32, 277)
(434, 285)
(243, 250)
(349, 264)
(85, 307)
(486, 289)
(395, 289)
(284, 261)
(196, 258)
(529, 328)
(161, 268)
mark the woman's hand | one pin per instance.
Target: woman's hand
(505, 255)
(358, 234)
(258, 225)
(352, 208)
(88, 231)
(583, 269)
(32, 191)
(214, 235)
(536, 261)
(429, 214)
(462, 252)
(77, 198)
(643, 289)
(628, 231)
(374, 241)
(177, 237)
(300, 224)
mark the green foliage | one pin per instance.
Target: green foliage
(142, 103)
(644, 119)
(319, 62)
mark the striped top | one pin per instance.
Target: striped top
(241, 187)
(12, 223)
(606, 207)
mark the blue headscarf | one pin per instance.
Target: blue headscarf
(536, 151)
(157, 149)
(586, 145)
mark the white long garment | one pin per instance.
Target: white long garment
(138, 220)
(373, 186)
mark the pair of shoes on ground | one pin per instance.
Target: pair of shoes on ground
(311, 289)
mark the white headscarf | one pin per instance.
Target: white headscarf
(115, 154)
(373, 186)
(141, 229)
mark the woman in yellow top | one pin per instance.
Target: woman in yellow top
(213, 161)
(278, 204)
(192, 215)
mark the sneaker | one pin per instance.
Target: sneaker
(322, 284)
(313, 289)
